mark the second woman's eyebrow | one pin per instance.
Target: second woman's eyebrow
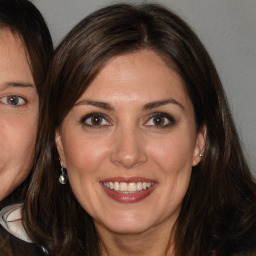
(98, 104)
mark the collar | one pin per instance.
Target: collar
(11, 221)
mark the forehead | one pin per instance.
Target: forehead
(139, 76)
(10, 39)
(11, 46)
(14, 64)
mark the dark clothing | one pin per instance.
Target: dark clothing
(12, 246)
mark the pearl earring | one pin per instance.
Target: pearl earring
(63, 179)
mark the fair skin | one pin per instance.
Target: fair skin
(18, 113)
(145, 133)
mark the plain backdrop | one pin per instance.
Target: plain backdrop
(226, 27)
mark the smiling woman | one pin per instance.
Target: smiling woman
(25, 50)
(142, 142)
(113, 170)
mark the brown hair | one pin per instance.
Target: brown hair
(24, 20)
(218, 214)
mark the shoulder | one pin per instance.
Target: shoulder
(13, 238)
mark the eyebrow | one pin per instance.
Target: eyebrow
(18, 84)
(98, 104)
(7, 85)
(146, 107)
(156, 104)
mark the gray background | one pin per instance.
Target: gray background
(226, 27)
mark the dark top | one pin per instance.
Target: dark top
(12, 246)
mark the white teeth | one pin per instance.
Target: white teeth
(116, 186)
(106, 184)
(139, 186)
(111, 185)
(132, 187)
(125, 187)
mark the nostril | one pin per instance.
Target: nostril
(128, 161)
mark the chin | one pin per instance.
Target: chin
(128, 229)
(128, 224)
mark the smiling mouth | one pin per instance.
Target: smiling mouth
(128, 187)
(130, 190)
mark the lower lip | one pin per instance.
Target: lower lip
(132, 197)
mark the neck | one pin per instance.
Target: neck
(153, 242)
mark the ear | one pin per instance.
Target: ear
(199, 145)
(59, 145)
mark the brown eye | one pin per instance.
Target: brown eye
(95, 120)
(158, 120)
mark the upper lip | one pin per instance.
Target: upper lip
(128, 179)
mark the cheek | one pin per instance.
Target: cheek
(83, 154)
(17, 147)
(174, 156)
(18, 138)
(173, 153)
(84, 158)
(28, 133)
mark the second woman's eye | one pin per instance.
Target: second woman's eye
(95, 120)
(160, 120)
(13, 100)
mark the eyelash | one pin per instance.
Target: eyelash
(167, 118)
(103, 118)
(5, 100)
(94, 115)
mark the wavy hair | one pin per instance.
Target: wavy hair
(218, 214)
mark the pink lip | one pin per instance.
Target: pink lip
(132, 197)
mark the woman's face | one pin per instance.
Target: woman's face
(18, 113)
(129, 144)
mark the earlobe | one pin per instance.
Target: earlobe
(59, 145)
(199, 145)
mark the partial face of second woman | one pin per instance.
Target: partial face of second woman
(129, 144)
(18, 113)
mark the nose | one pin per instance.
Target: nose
(128, 149)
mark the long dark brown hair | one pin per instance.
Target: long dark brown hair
(26, 23)
(218, 215)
